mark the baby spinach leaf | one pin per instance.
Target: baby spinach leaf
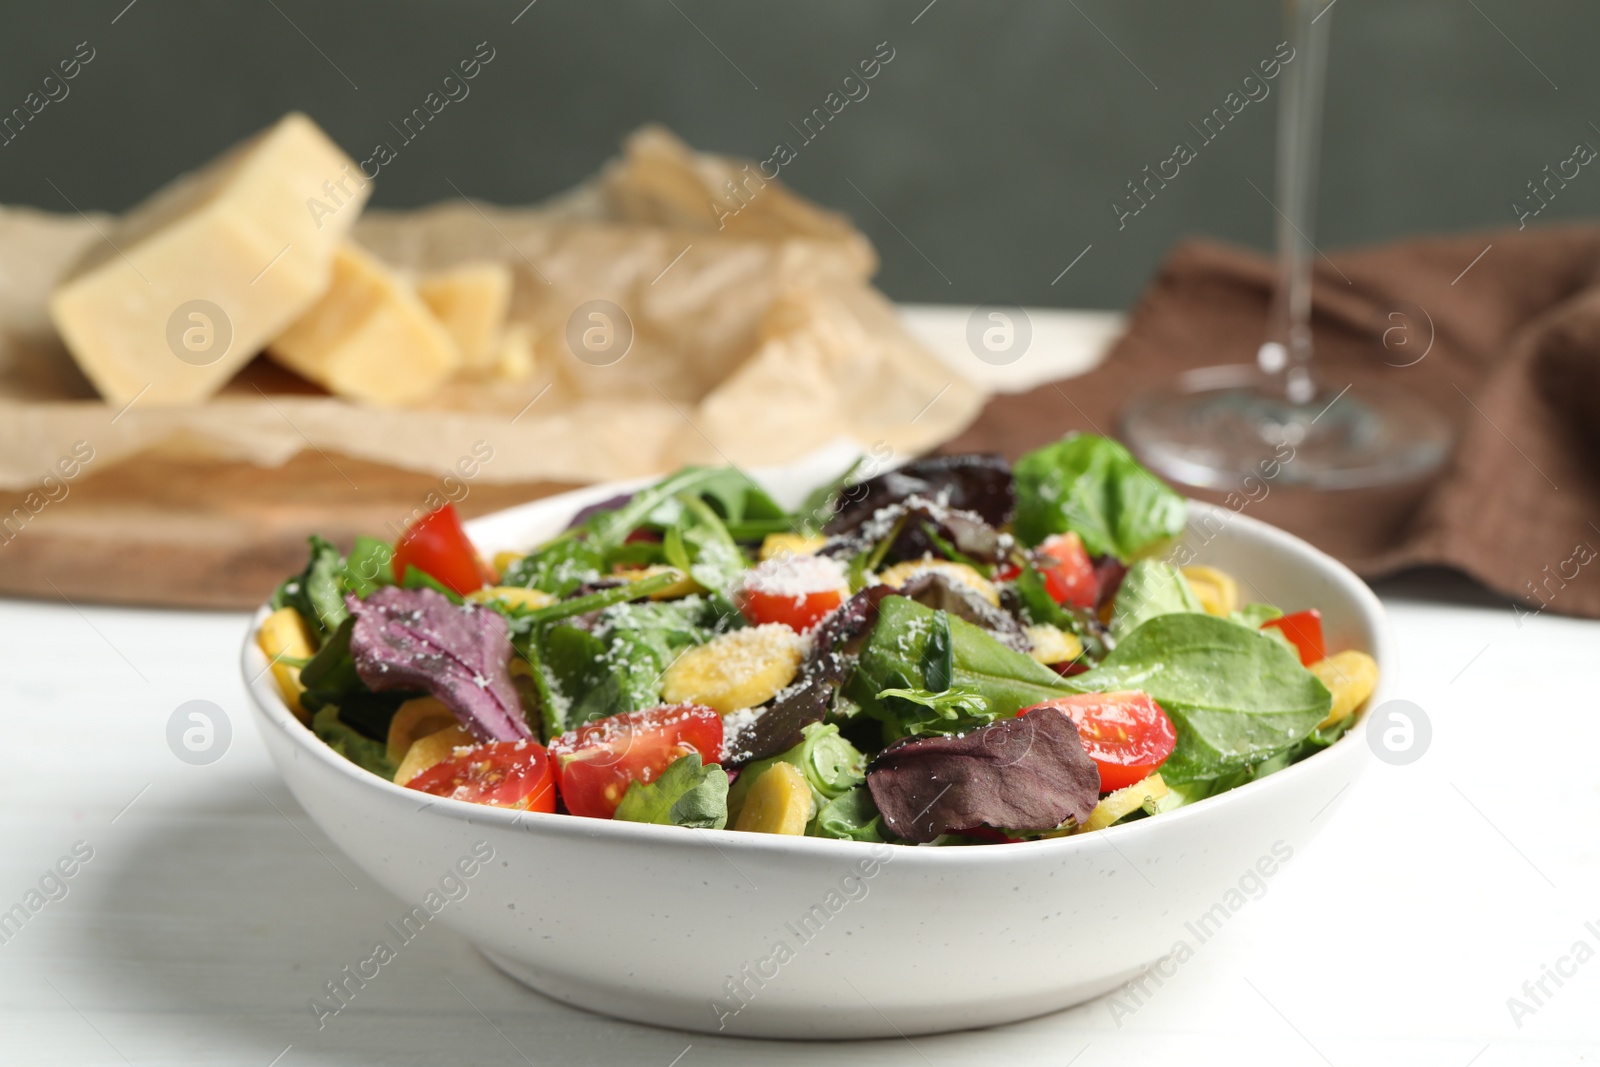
(1254, 614)
(686, 794)
(895, 654)
(1151, 588)
(936, 655)
(1236, 696)
(1094, 487)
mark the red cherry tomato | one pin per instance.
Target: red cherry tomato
(437, 545)
(1127, 734)
(1304, 631)
(796, 591)
(504, 774)
(1069, 574)
(1007, 572)
(596, 763)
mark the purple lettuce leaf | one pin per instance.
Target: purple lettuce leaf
(418, 639)
(1028, 773)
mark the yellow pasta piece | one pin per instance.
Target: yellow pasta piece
(434, 748)
(682, 587)
(1351, 677)
(284, 633)
(1217, 591)
(779, 803)
(738, 669)
(1053, 645)
(413, 719)
(1125, 802)
(789, 544)
(901, 573)
(514, 595)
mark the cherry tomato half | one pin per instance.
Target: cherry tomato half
(596, 763)
(437, 545)
(796, 591)
(503, 774)
(1069, 574)
(1304, 631)
(1127, 734)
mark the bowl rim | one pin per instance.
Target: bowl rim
(269, 704)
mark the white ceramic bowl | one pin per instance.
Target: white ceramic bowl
(758, 935)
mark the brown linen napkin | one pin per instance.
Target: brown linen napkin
(1499, 331)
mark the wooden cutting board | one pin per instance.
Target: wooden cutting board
(159, 531)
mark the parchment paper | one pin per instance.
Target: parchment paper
(756, 338)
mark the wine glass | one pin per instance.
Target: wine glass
(1213, 427)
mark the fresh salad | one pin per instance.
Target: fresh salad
(957, 651)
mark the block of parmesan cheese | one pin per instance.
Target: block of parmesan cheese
(193, 282)
(471, 300)
(370, 337)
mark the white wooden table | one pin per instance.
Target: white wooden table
(211, 910)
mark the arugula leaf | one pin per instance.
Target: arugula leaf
(597, 601)
(686, 794)
(558, 567)
(823, 502)
(641, 641)
(612, 666)
(585, 687)
(737, 502)
(953, 710)
(1236, 696)
(1094, 487)
(892, 659)
(1151, 588)
(715, 560)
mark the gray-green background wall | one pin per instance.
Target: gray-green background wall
(992, 145)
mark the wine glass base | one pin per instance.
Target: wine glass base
(1217, 426)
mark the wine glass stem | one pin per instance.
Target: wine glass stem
(1299, 129)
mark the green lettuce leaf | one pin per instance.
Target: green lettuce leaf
(1093, 487)
(686, 794)
(363, 751)
(832, 766)
(850, 816)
